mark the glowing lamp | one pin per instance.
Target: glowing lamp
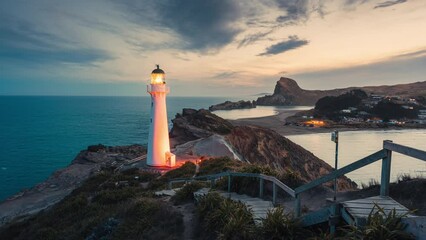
(158, 76)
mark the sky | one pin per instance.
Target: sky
(208, 47)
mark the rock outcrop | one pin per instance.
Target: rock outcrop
(252, 144)
(64, 181)
(266, 147)
(194, 124)
(287, 92)
(228, 105)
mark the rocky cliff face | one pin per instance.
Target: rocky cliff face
(264, 146)
(64, 181)
(228, 105)
(194, 124)
(288, 92)
(251, 144)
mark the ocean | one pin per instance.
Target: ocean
(39, 135)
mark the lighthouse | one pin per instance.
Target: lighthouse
(159, 154)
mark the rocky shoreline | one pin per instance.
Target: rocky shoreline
(195, 134)
(62, 182)
(228, 105)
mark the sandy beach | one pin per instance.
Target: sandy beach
(277, 123)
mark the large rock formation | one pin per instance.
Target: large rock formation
(266, 147)
(194, 124)
(251, 144)
(288, 92)
(228, 105)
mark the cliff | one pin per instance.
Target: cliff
(288, 92)
(228, 105)
(251, 144)
(63, 181)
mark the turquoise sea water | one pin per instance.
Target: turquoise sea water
(39, 135)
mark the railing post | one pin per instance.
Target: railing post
(170, 185)
(274, 193)
(229, 182)
(386, 170)
(297, 209)
(260, 187)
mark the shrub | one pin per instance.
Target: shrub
(224, 217)
(380, 226)
(149, 219)
(113, 196)
(217, 165)
(281, 225)
(186, 193)
(291, 178)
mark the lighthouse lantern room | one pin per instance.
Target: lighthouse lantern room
(159, 154)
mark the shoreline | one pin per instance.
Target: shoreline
(277, 123)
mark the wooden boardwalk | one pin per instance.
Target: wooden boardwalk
(357, 211)
(258, 206)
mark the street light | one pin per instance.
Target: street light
(335, 138)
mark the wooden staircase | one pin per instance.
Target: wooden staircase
(258, 206)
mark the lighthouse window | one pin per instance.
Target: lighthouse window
(152, 104)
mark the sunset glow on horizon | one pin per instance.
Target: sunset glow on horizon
(218, 48)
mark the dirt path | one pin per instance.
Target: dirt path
(189, 219)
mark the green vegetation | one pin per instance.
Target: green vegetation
(281, 225)
(386, 110)
(331, 105)
(118, 205)
(221, 218)
(186, 193)
(107, 206)
(380, 226)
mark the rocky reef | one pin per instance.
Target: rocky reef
(228, 105)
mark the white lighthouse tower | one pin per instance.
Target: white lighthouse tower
(159, 154)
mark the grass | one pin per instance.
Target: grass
(380, 226)
(221, 218)
(113, 205)
(371, 183)
(186, 193)
(101, 208)
(280, 225)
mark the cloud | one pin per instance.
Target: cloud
(293, 42)
(21, 42)
(201, 25)
(404, 68)
(389, 3)
(354, 2)
(225, 75)
(252, 38)
(415, 54)
(296, 10)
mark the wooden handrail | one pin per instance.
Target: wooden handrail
(384, 155)
(412, 152)
(342, 171)
(273, 179)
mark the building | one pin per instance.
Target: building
(159, 154)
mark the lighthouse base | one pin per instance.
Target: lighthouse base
(170, 161)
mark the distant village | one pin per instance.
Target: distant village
(360, 109)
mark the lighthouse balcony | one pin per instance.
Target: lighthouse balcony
(159, 88)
